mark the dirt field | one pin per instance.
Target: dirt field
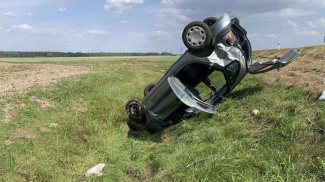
(18, 78)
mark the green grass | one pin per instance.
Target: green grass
(15, 68)
(276, 145)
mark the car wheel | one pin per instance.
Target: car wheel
(148, 88)
(135, 110)
(197, 36)
(210, 21)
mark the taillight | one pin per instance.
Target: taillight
(230, 38)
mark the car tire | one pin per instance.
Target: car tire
(135, 111)
(148, 89)
(197, 36)
(210, 21)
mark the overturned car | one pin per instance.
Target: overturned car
(218, 57)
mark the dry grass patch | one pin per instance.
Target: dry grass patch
(23, 134)
(306, 71)
(40, 75)
(43, 103)
(8, 112)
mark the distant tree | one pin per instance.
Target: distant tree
(166, 54)
(71, 54)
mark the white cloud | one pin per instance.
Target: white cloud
(10, 14)
(285, 13)
(296, 30)
(51, 31)
(119, 6)
(137, 35)
(96, 32)
(159, 33)
(123, 21)
(292, 13)
(254, 36)
(169, 13)
(310, 24)
(272, 36)
(1, 28)
(63, 9)
(320, 21)
(291, 24)
(20, 28)
(79, 35)
(174, 2)
(167, 2)
(312, 33)
(29, 13)
(313, 2)
(159, 25)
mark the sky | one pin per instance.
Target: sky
(151, 25)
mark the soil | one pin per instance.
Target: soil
(23, 134)
(13, 82)
(19, 78)
(8, 112)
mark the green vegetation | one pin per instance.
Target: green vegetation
(16, 68)
(276, 145)
(87, 59)
(4, 54)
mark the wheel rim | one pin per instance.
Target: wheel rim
(150, 89)
(210, 23)
(196, 36)
(135, 110)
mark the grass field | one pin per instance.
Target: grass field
(59, 129)
(87, 59)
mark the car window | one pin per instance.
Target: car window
(232, 71)
(217, 78)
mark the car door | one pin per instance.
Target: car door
(186, 96)
(211, 88)
(276, 63)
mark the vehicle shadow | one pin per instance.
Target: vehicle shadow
(242, 93)
(145, 136)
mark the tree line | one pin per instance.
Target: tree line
(8, 54)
